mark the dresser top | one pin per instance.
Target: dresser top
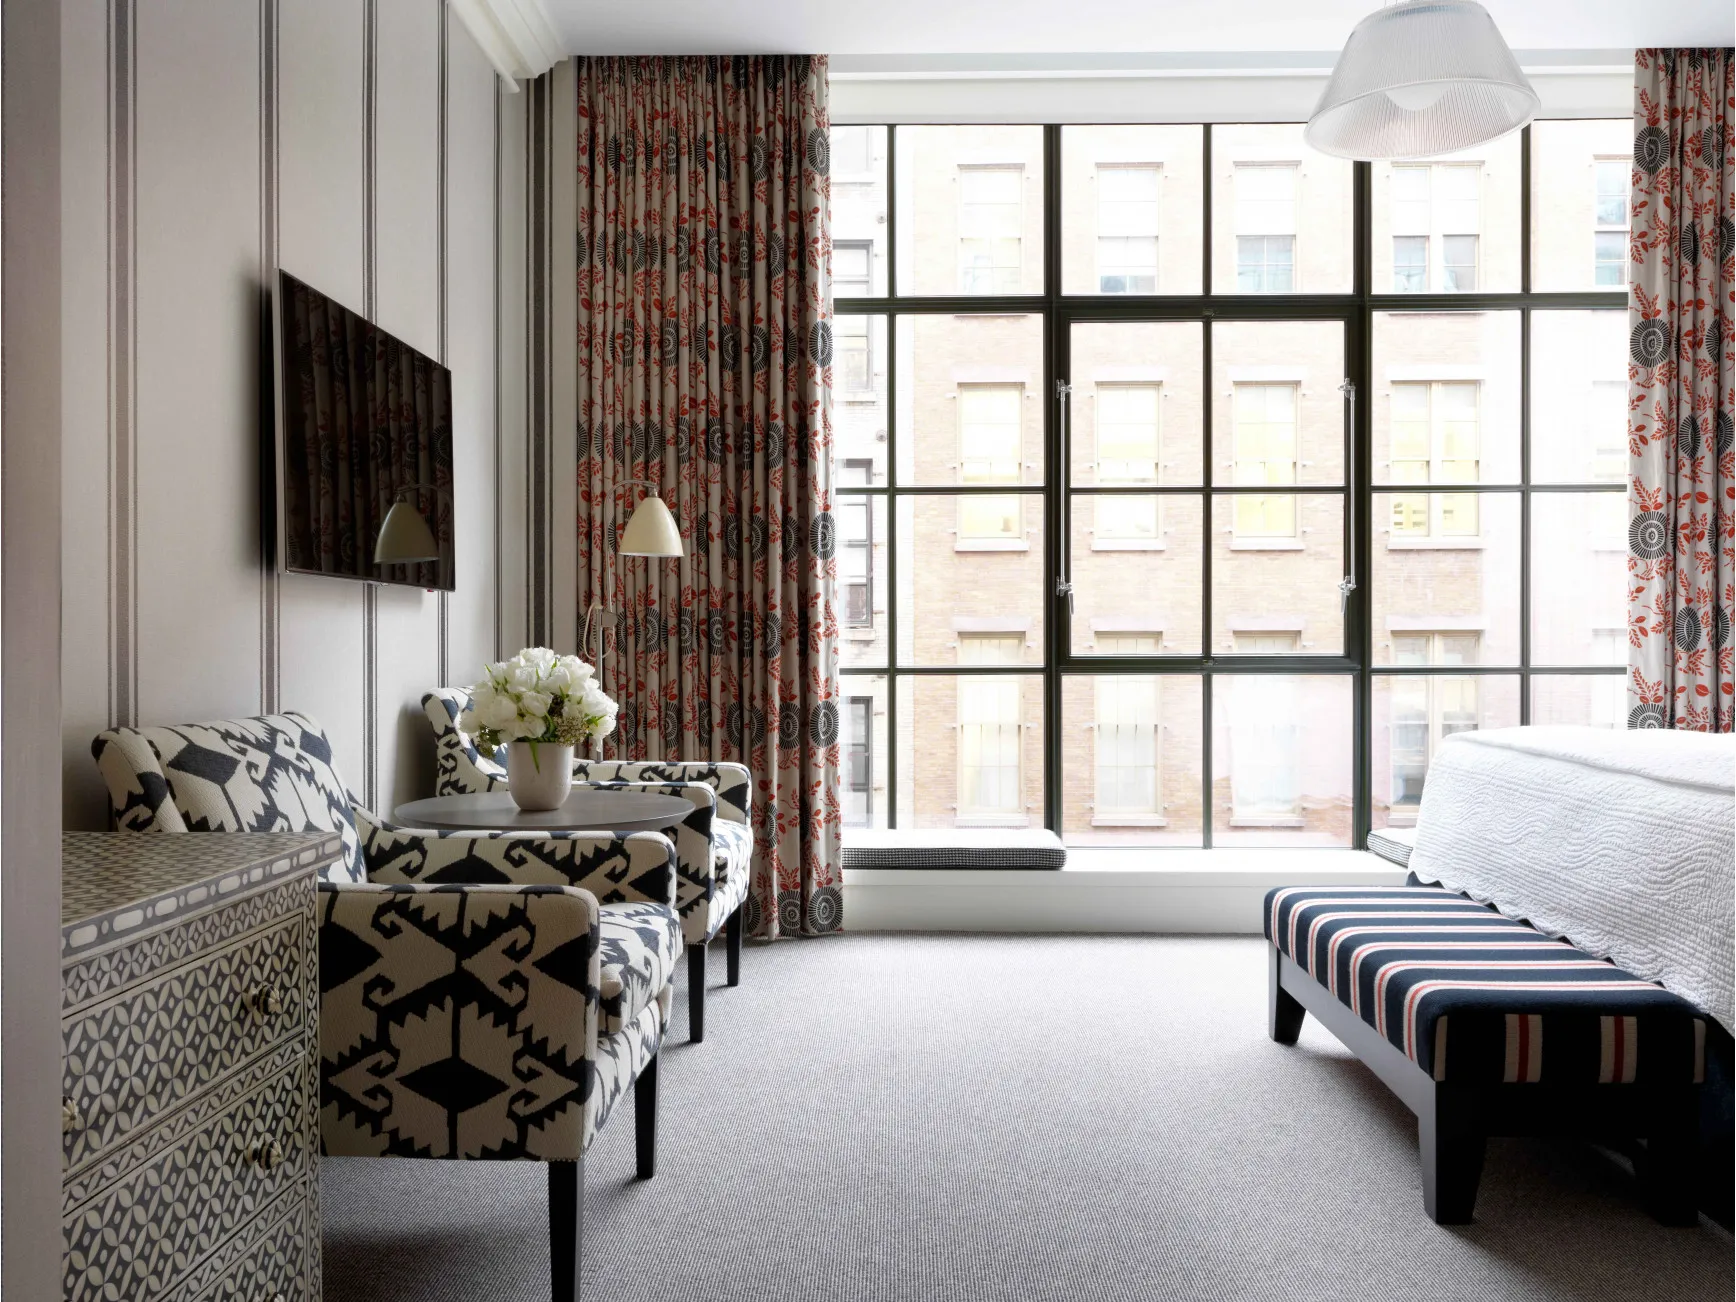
(115, 885)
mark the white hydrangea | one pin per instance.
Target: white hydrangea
(539, 696)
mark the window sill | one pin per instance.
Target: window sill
(991, 545)
(1266, 820)
(1128, 545)
(1400, 818)
(860, 634)
(1267, 545)
(1435, 544)
(1130, 820)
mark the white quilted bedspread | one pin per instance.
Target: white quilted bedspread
(1621, 841)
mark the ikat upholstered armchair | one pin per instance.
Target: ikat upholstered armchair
(713, 845)
(481, 996)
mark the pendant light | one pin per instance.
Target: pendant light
(1419, 79)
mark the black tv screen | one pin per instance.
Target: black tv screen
(363, 420)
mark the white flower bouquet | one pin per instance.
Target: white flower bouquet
(538, 696)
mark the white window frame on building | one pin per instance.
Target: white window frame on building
(1128, 735)
(1128, 228)
(1611, 182)
(1122, 522)
(991, 230)
(991, 727)
(1435, 707)
(856, 563)
(1448, 226)
(840, 157)
(1265, 736)
(977, 512)
(1607, 418)
(1258, 460)
(859, 761)
(1266, 228)
(1427, 516)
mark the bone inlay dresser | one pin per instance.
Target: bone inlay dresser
(190, 1072)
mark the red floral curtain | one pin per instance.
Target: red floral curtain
(1681, 562)
(704, 348)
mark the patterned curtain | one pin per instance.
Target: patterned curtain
(704, 348)
(1681, 565)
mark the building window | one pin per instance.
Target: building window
(990, 786)
(1610, 232)
(1265, 228)
(850, 155)
(1609, 431)
(991, 227)
(1127, 451)
(1265, 437)
(856, 561)
(1436, 439)
(1128, 200)
(1436, 214)
(991, 441)
(1129, 770)
(859, 762)
(1265, 732)
(1428, 710)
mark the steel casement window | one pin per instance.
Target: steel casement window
(1436, 439)
(1241, 777)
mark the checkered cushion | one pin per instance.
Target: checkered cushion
(639, 945)
(1471, 996)
(1034, 847)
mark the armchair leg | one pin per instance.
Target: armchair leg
(696, 993)
(566, 1227)
(645, 1119)
(732, 933)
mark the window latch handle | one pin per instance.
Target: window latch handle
(1064, 588)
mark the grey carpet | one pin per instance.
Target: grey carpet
(1035, 1118)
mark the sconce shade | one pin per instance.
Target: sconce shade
(405, 537)
(1420, 79)
(651, 531)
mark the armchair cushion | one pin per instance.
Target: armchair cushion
(732, 782)
(640, 943)
(733, 844)
(273, 773)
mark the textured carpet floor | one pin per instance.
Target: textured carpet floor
(1035, 1118)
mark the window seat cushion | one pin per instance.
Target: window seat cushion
(955, 847)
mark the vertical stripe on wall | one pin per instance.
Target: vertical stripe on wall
(442, 602)
(499, 396)
(370, 309)
(270, 589)
(537, 445)
(123, 489)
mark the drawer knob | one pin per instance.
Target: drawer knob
(69, 1118)
(265, 1001)
(267, 1155)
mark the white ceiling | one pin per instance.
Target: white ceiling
(850, 27)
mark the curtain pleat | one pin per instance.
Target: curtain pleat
(704, 348)
(1682, 411)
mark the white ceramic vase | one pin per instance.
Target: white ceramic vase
(539, 774)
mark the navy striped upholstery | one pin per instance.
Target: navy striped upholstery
(1474, 997)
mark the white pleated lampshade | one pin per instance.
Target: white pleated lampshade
(405, 537)
(1419, 79)
(651, 531)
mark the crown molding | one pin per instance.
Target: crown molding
(515, 35)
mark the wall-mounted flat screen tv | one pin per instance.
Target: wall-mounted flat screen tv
(363, 421)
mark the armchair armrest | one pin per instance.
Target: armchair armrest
(457, 1020)
(640, 866)
(732, 782)
(695, 852)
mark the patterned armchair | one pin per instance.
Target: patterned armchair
(713, 847)
(480, 996)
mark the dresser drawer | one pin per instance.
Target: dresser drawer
(133, 1058)
(272, 1263)
(151, 1231)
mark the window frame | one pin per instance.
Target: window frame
(1436, 233)
(1294, 170)
(966, 266)
(1156, 237)
(1601, 227)
(1431, 490)
(1054, 495)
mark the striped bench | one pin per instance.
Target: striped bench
(1483, 1026)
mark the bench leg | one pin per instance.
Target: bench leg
(696, 993)
(1451, 1146)
(1668, 1170)
(1286, 1013)
(732, 938)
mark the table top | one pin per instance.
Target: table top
(586, 810)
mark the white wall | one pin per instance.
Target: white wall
(367, 146)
